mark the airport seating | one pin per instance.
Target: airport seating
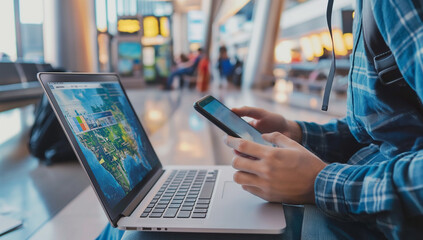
(18, 81)
(30, 71)
(189, 81)
(311, 77)
(9, 74)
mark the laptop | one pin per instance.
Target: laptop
(134, 189)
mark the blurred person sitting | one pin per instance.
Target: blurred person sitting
(183, 61)
(188, 69)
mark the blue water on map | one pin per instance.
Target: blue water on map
(108, 184)
(134, 170)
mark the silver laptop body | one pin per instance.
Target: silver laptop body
(127, 176)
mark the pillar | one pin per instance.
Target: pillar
(70, 36)
(258, 68)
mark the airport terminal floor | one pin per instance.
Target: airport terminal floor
(51, 200)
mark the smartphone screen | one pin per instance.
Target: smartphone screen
(232, 121)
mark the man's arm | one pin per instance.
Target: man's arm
(391, 192)
(331, 142)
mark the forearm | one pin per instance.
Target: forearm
(295, 132)
(389, 191)
(332, 142)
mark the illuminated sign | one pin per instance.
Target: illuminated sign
(151, 26)
(155, 27)
(129, 26)
(164, 27)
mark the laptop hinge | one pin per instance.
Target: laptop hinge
(144, 191)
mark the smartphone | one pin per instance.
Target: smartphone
(228, 121)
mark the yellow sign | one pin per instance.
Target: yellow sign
(128, 25)
(151, 26)
(164, 26)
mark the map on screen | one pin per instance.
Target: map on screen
(108, 133)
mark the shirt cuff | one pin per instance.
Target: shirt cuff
(313, 138)
(329, 189)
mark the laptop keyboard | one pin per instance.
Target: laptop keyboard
(185, 194)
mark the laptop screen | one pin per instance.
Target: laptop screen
(108, 133)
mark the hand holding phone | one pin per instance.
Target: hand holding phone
(227, 120)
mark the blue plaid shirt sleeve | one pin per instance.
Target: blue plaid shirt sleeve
(331, 142)
(387, 191)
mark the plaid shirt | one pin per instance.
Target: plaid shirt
(375, 173)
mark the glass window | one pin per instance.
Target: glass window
(101, 15)
(31, 11)
(111, 16)
(235, 32)
(195, 26)
(31, 20)
(8, 32)
(127, 8)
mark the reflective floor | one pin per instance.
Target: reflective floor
(37, 193)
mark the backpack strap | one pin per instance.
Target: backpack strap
(377, 50)
(383, 60)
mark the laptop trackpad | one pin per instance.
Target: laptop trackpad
(241, 209)
(231, 189)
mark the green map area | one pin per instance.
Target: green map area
(111, 146)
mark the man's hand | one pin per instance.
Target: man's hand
(268, 122)
(285, 174)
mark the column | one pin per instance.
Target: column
(70, 37)
(258, 68)
(211, 9)
(180, 33)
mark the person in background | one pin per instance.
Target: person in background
(188, 70)
(224, 65)
(184, 58)
(183, 61)
(203, 76)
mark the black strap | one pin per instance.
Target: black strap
(383, 60)
(378, 52)
(333, 65)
